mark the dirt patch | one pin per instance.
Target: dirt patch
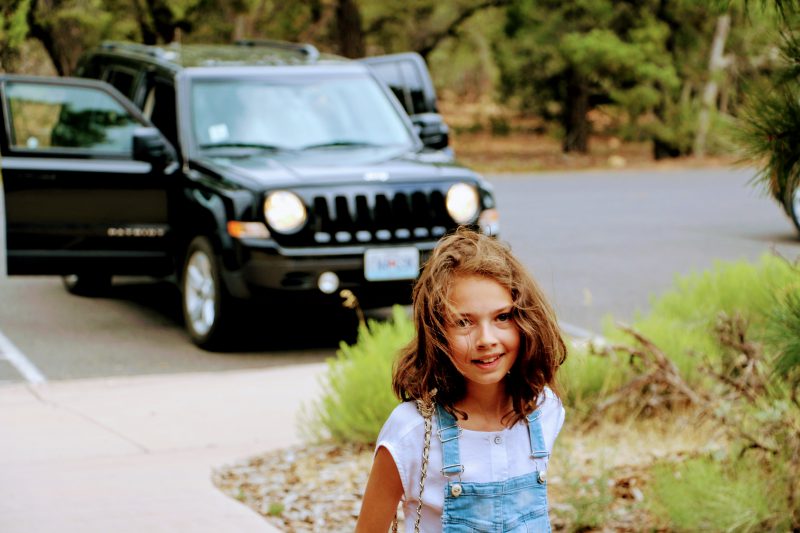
(530, 152)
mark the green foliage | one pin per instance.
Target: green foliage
(769, 126)
(275, 509)
(705, 494)
(621, 53)
(587, 501)
(682, 322)
(357, 395)
(13, 30)
(783, 331)
(585, 377)
(769, 133)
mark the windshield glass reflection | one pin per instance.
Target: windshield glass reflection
(313, 114)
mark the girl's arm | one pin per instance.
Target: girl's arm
(381, 496)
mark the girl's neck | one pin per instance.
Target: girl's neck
(485, 407)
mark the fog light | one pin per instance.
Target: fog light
(489, 222)
(328, 282)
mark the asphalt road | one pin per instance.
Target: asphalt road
(598, 242)
(605, 242)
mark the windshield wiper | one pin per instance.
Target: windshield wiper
(336, 144)
(260, 146)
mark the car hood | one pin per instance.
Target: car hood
(335, 166)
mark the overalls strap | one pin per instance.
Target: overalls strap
(449, 432)
(538, 448)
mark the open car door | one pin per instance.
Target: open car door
(85, 180)
(409, 79)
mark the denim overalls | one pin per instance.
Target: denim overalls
(516, 505)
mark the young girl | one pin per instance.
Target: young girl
(470, 452)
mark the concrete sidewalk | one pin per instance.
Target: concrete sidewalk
(135, 454)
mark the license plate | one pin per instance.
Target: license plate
(383, 264)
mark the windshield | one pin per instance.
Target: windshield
(296, 114)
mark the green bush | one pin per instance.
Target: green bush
(783, 332)
(704, 494)
(586, 501)
(586, 376)
(357, 393)
(681, 323)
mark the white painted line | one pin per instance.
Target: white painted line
(582, 338)
(20, 362)
(575, 331)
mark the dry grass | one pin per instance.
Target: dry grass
(599, 476)
(531, 152)
(526, 147)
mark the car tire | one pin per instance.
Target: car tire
(791, 202)
(88, 285)
(204, 298)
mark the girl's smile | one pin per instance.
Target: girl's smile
(483, 337)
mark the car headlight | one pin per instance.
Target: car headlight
(284, 211)
(462, 202)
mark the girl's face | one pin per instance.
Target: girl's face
(483, 339)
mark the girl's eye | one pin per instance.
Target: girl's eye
(504, 317)
(463, 322)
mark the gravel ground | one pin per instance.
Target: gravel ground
(314, 488)
(598, 478)
(318, 488)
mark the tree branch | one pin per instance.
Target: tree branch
(433, 40)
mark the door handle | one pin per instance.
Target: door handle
(41, 176)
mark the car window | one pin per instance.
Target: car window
(47, 117)
(405, 80)
(123, 80)
(295, 113)
(414, 84)
(159, 107)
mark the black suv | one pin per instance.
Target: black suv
(245, 170)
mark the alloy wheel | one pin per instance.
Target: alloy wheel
(200, 293)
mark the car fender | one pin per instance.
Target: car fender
(207, 215)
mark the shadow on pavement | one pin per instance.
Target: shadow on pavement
(262, 325)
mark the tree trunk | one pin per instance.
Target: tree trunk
(576, 123)
(716, 67)
(351, 33)
(164, 22)
(40, 33)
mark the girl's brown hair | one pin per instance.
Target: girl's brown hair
(424, 364)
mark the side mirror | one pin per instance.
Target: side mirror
(151, 146)
(432, 130)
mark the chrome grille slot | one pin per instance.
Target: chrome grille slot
(401, 212)
(344, 219)
(363, 213)
(383, 212)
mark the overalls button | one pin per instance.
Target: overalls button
(542, 476)
(498, 439)
(455, 490)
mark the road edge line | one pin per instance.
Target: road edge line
(22, 364)
(582, 338)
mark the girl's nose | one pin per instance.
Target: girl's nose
(486, 336)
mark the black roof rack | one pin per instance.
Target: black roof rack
(151, 51)
(309, 50)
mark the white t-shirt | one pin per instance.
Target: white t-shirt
(487, 456)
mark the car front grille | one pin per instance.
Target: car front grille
(347, 217)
